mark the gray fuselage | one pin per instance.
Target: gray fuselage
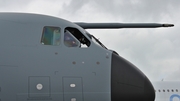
(33, 67)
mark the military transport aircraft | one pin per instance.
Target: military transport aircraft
(51, 59)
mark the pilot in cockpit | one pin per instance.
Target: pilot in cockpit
(69, 40)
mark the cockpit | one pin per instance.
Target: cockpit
(72, 37)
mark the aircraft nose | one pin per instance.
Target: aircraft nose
(128, 83)
(149, 92)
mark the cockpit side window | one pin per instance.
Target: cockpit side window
(51, 36)
(84, 42)
(70, 40)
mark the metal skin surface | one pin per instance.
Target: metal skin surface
(33, 71)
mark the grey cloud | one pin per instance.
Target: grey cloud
(129, 10)
(12, 5)
(74, 6)
(135, 9)
(174, 76)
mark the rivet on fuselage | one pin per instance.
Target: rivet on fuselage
(107, 55)
(74, 62)
(97, 63)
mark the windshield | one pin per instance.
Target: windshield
(95, 40)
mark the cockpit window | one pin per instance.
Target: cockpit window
(75, 33)
(95, 40)
(69, 39)
(51, 36)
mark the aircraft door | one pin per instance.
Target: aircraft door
(72, 89)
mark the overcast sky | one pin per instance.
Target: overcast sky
(156, 52)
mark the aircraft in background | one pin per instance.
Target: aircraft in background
(51, 59)
(167, 90)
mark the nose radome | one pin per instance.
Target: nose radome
(149, 92)
(128, 83)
